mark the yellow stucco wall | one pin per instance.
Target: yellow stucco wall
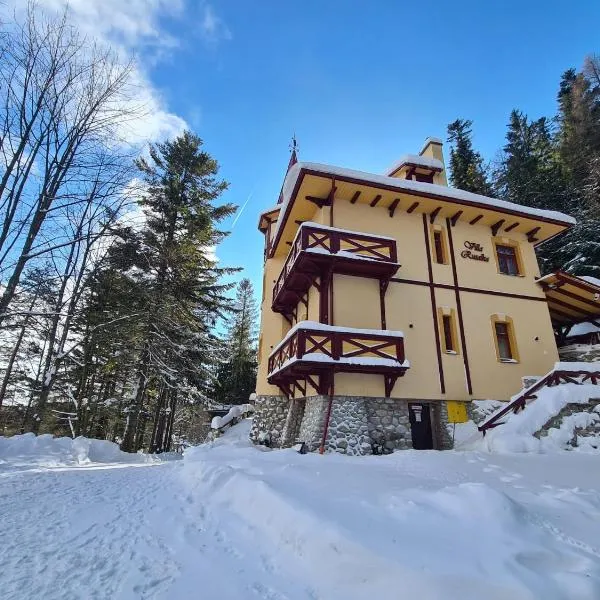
(408, 307)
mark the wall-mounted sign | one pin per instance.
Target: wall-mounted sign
(474, 251)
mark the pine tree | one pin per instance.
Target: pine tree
(529, 172)
(466, 165)
(184, 296)
(578, 146)
(235, 378)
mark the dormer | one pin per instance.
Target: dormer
(427, 166)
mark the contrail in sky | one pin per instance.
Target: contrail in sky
(241, 211)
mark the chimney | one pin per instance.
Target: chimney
(433, 149)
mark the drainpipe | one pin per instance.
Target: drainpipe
(327, 416)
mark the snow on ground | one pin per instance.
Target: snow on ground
(516, 431)
(233, 521)
(29, 451)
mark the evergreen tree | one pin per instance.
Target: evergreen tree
(466, 165)
(529, 172)
(578, 146)
(235, 378)
(183, 296)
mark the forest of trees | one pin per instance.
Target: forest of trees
(116, 320)
(552, 162)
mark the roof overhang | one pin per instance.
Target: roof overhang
(571, 299)
(310, 184)
(267, 217)
(419, 163)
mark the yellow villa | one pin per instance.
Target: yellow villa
(390, 302)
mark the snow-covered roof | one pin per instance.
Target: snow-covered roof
(582, 329)
(592, 280)
(431, 140)
(408, 186)
(314, 325)
(427, 162)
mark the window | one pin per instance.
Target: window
(448, 339)
(438, 247)
(448, 336)
(508, 263)
(503, 341)
(424, 178)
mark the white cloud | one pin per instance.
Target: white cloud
(130, 27)
(212, 28)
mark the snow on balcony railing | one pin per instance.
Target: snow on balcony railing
(320, 239)
(345, 346)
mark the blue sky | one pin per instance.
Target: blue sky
(360, 83)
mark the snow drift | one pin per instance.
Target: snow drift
(388, 527)
(517, 432)
(49, 451)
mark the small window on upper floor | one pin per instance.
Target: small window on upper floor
(508, 261)
(448, 333)
(439, 247)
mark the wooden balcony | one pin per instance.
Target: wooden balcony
(318, 250)
(313, 352)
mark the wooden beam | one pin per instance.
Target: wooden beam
(511, 227)
(496, 226)
(299, 222)
(412, 207)
(320, 202)
(434, 214)
(576, 309)
(354, 197)
(455, 217)
(531, 234)
(560, 291)
(477, 218)
(375, 200)
(392, 206)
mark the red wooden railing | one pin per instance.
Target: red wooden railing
(328, 240)
(337, 346)
(555, 377)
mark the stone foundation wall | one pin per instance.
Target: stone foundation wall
(580, 353)
(293, 420)
(348, 430)
(389, 425)
(358, 425)
(442, 436)
(592, 430)
(313, 421)
(270, 413)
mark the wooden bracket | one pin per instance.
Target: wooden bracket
(496, 226)
(434, 214)
(354, 197)
(455, 217)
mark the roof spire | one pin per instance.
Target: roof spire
(293, 161)
(294, 149)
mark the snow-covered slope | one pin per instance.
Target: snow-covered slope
(233, 521)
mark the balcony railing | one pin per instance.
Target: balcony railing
(317, 247)
(313, 349)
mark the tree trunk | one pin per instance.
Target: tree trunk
(133, 417)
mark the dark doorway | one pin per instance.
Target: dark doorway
(420, 426)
